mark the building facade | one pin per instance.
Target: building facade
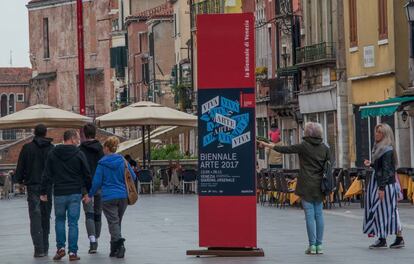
(14, 85)
(377, 55)
(151, 54)
(181, 73)
(53, 54)
(278, 24)
(321, 61)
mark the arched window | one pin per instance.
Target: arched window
(3, 105)
(12, 103)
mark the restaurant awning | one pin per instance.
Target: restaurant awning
(386, 107)
(158, 135)
(322, 100)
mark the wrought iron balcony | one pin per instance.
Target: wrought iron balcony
(287, 71)
(206, 7)
(320, 53)
(89, 110)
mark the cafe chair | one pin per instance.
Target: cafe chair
(145, 178)
(189, 177)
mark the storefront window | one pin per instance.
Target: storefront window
(312, 118)
(390, 121)
(364, 136)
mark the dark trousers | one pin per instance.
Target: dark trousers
(114, 211)
(39, 213)
(93, 215)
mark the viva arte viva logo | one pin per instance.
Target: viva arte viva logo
(225, 124)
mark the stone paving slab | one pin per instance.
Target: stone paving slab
(161, 227)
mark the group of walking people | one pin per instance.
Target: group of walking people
(381, 217)
(92, 174)
(72, 174)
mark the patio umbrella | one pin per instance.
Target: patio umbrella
(43, 114)
(146, 114)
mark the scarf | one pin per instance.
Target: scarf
(379, 149)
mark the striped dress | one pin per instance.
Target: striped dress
(381, 218)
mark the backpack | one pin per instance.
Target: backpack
(328, 182)
(130, 186)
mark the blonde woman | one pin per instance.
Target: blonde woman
(110, 177)
(381, 212)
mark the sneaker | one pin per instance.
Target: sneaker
(73, 256)
(380, 243)
(60, 253)
(398, 243)
(93, 247)
(311, 250)
(319, 249)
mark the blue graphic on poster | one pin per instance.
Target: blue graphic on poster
(226, 139)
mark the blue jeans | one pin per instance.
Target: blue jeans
(314, 221)
(67, 205)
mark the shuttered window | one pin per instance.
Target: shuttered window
(353, 29)
(382, 19)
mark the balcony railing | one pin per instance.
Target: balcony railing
(315, 54)
(287, 71)
(206, 7)
(89, 110)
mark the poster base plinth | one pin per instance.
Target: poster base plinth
(227, 252)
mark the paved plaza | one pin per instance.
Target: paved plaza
(161, 227)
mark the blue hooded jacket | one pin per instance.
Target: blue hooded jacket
(109, 176)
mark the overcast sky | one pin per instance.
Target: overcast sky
(14, 30)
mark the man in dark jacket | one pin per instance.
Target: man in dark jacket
(68, 172)
(93, 151)
(29, 171)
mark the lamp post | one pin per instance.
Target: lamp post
(409, 11)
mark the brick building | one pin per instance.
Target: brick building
(14, 84)
(9, 153)
(53, 54)
(151, 54)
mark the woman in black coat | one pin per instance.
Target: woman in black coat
(381, 216)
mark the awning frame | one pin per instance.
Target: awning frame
(385, 108)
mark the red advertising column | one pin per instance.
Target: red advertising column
(226, 132)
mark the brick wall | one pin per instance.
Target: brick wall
(10, 154)
(62, 91)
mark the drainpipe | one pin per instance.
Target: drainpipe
(191, 47)
(411, 66)
(81, 58)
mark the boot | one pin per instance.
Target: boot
(39, 253)
(113, 249)
(120, 248)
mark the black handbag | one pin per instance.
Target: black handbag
(328, 180)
